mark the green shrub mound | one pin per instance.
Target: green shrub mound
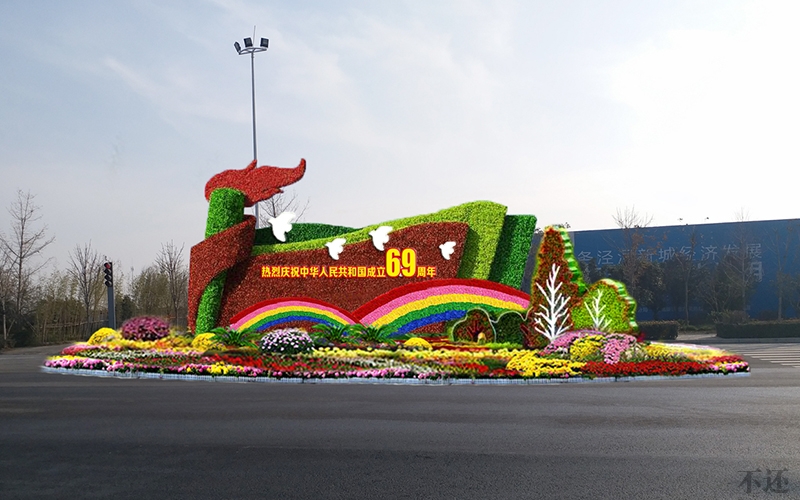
(759, 329)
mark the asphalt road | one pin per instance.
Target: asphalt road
(64, 436)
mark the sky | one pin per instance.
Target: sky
(115, 114)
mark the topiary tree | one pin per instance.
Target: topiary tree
(555, 251)
(608, 301)
(552, 317)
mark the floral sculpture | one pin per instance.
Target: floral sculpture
(553, 319)
(229, 233)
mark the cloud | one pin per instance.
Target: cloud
(713, 109)
(175, 91)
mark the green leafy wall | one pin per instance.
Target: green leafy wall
(485, 219)
(512, 250)
(302, 231)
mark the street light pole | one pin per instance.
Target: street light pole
(249, 48)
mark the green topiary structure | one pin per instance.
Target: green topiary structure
(302, 231)
(615, 306)
(469, 328)
(485, 219)
(225, 210)
(512, 250)
(554, 260)
(558, 275)
(507, 328)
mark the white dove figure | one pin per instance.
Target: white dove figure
(380, 236)
(447, 249)
(335, 247)
(281, 225)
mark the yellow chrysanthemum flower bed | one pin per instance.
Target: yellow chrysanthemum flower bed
(695, 353)
(205, 341)
(586, 348)
(438, 355)
(418, 342)
(104, 336)
(221, 368)
(178, 343)
(530, 365)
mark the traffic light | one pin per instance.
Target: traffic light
(108, 270)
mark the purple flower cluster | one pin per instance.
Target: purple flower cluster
(616, 344)
(562, 343)
(77, 363)
(738, 366)
(78, 348)
(286, 341)
(145, 328)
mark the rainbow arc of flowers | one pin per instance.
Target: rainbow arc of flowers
(401, 310)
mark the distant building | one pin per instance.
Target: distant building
(763, 241)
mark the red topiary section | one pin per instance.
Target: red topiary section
(257, 184)
(245, 286)
(555, 248)
(214, 255)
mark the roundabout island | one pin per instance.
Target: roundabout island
(441, 298)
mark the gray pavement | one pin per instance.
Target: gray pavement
(85, 437)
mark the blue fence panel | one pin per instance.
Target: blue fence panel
(764, 240)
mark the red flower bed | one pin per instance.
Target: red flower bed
(653, 367)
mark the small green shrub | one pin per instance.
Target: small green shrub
(332, 333)
(235, 338)
(508, 328)
(371, 334)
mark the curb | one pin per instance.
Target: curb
(385, 381)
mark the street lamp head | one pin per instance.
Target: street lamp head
(248, 42)
(237, 47)
(265, 42)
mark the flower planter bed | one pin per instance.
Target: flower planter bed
(576, 356)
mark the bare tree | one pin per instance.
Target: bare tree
(781, 243)
(739, 267)
(281, 202)
(686, 267)
(631, 222)
(170, 262)
(6, 295)
(85, 270)
(150, 292)
(20, 247)
(58, 310)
